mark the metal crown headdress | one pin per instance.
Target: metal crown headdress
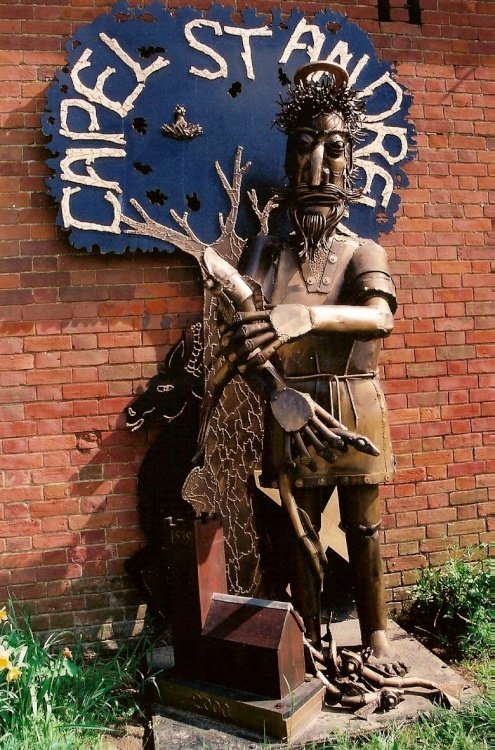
(305, 73)
(308, 98)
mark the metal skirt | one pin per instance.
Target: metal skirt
(358, 402)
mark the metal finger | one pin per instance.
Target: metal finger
(247, 317)
(323, 414)
(359, 442)
(269, 351)
(313, 439)
(305, 455)
(264, 338)
(250, 345)
(250, 330)
(256, 360)
(239, 335)
(335, 441)
(288, 450)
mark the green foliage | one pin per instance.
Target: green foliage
(441, 729)
(55, 738)
(479, 671)
(452, 602)
(47, 688)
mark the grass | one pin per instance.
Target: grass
(470, 728)
(56, 739)
(52, 696)
(452, 604)
(442, 729)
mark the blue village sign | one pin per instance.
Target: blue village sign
(148, 115)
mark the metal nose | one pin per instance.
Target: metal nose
(317, 164)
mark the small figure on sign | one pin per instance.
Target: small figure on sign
(181, 130)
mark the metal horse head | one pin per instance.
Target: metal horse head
(168, 392)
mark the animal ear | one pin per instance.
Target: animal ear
(176, 356)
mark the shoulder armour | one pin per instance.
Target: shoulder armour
(369, 275)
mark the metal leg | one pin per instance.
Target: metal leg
(360, 514)
(304, 584)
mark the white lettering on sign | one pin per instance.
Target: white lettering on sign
(96, 93)
(71, 221)
(200, 47)
(93, 132)
(385, 80)
(246, 35)
(377, 145)
(398, 135)
(357, 70)
(373, 170)
(88, 156)
(246, 54)
(340, 55)
(313, 52)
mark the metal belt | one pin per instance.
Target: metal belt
(332, 378)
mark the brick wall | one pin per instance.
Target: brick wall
(74, 346)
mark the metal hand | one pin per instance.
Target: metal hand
(306, 424)
(255, 336)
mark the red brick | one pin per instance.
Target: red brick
(45, 343)
(407, 563)
(55, 375)
(465, 527)
(85, 390)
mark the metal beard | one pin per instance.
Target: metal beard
(314, 229)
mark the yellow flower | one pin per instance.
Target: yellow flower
(67, 653)
(4, 659)
(3, 614)
(13, 674)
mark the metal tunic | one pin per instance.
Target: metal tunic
(337, 370)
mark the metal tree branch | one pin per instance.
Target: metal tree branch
(183, 222)
(151, 228)
(233, 192)
(264, 214)
(187, 240)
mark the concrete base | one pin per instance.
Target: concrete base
(180, 730)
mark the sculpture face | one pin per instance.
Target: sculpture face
(317, 164)
(316, 152)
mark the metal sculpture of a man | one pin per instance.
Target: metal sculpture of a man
(329, 301)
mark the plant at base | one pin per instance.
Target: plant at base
(48, 691)
(453, 603)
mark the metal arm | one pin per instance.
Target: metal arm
(265, 331)
(373, 320)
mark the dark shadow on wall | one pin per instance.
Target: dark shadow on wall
(88, 331)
